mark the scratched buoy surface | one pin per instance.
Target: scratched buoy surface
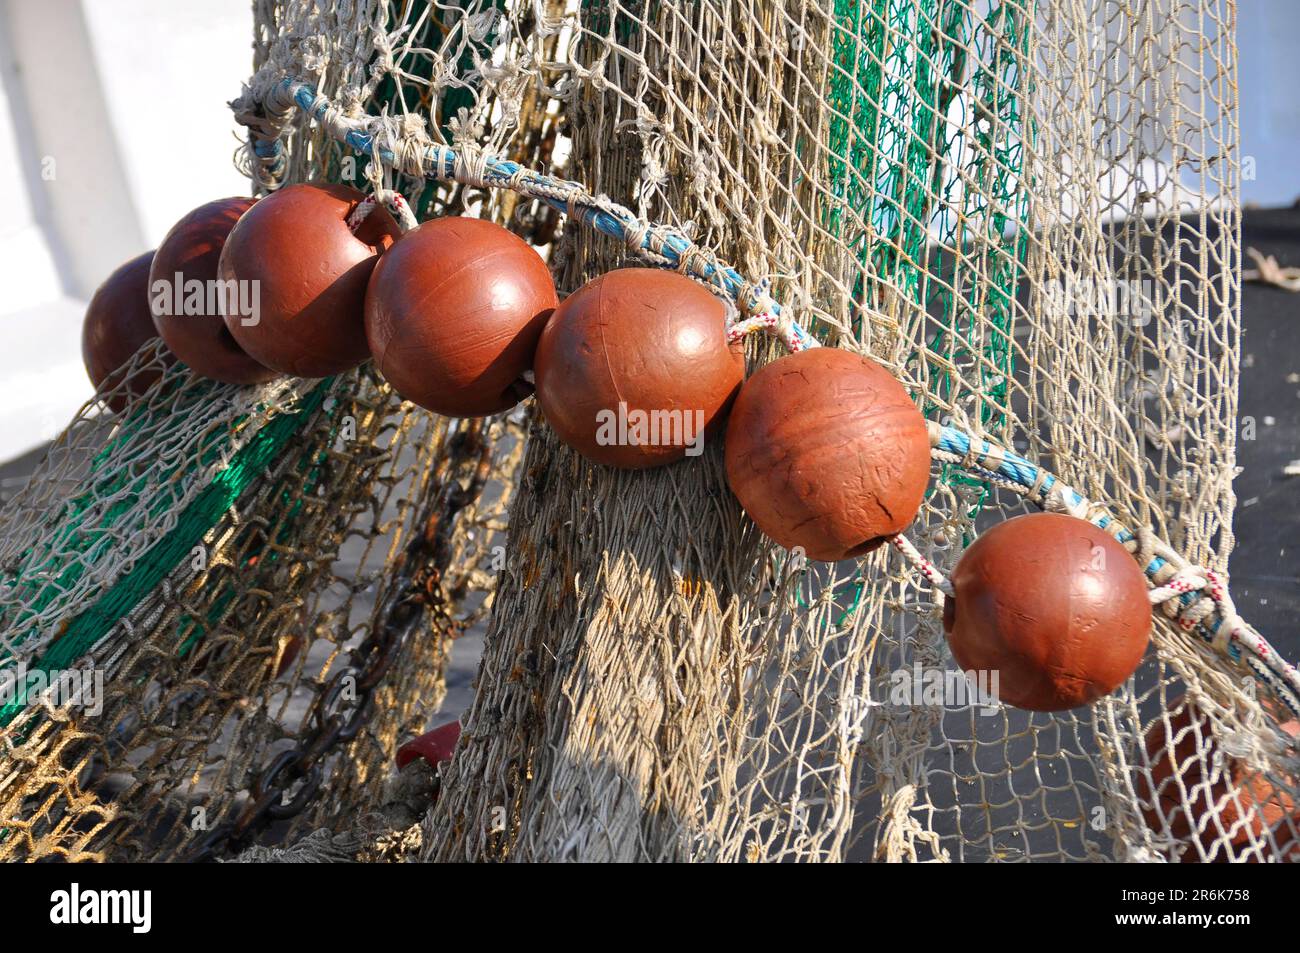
(307, 272)
(826, 452)
(453, 314)
(1054, 605)
(634, 369)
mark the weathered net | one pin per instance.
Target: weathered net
(1028, 211)
(234, 564)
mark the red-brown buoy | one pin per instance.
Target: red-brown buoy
(1054, 605)
(826, 452)
(453, 313)
(117, 324)
(1185, 794)
(310, 272)
(634, 370)
(184, 295)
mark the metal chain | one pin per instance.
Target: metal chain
(343, 707)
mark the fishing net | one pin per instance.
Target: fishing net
(239, 569)
(1027, 211)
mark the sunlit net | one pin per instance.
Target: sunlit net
(1028, 211)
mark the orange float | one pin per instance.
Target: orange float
(307, 272)
(117, 324)
(1054, 605)
(634, 369)
(826, 452)
(1181, 786)
(453, 314)
(184, 297)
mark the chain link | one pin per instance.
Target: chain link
(343, 706)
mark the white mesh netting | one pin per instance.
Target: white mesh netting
(1026, 210)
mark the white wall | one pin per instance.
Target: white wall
(25, 254)
(186, 60)
(113, 124)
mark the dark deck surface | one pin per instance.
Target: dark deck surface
(1265, 567)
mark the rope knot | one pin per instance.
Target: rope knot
(392, 200)
(471, 166)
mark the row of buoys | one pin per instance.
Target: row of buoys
(824, 448)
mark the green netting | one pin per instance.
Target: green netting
(906, 115)
(427, 28)
(79, 543)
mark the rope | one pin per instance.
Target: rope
(469, 166)
(1195, 597)
(1176, 583)
(1269, 272)
(392, 201)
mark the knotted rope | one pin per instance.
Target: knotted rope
(1196, 597)
(1269, 272)
(392, 201)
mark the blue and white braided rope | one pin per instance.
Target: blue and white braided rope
(666, 245)
(1197, 598)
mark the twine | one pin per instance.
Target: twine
(1195, 597)
(85, 630)
(1269, 272)
(1176, 583)
(391, 200)
(467, 165)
